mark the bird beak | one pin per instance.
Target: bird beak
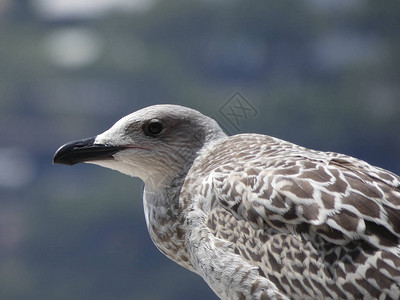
(84, 151)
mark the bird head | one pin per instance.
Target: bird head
(156, 144)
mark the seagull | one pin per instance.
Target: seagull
(255, 216)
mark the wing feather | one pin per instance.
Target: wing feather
(316, 224)
(336, 194)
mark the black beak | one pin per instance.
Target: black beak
(84, 151)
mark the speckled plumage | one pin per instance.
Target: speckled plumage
(258, 217)
(318, 225)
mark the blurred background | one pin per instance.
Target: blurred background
(324, 74)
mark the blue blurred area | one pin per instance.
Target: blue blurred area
(323, 74)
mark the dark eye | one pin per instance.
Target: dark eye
(153, 128)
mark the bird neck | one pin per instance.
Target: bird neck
(164, 219)
(163, 195)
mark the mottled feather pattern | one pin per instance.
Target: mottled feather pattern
(256, 217)
(317, 224)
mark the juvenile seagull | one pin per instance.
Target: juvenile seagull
(255, 216)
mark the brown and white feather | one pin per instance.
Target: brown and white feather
(316, 224)
(260, 218)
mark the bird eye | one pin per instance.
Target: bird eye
(154, 127)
